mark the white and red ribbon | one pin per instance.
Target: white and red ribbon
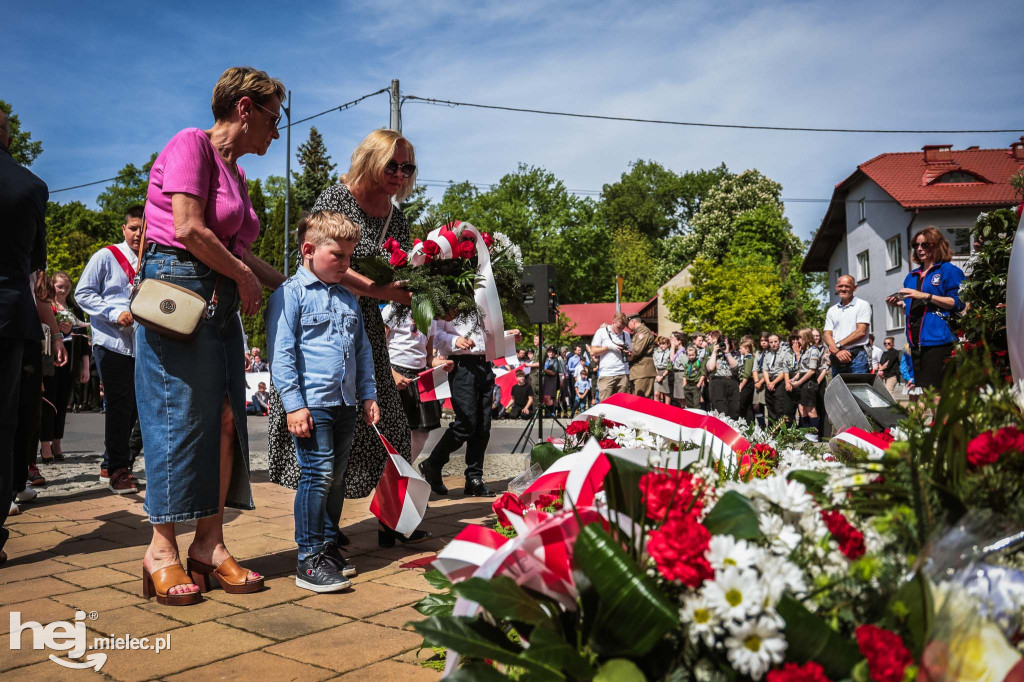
(871, 443)
(486, 295)
(400, 500)
(580, 475)
(670, 422)
(433, 385)
(1015, 303)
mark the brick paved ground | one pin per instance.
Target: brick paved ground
(85, 552)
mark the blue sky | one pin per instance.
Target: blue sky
(104, 84)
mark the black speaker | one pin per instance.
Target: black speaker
(539, 298)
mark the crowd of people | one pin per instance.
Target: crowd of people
(343, 373)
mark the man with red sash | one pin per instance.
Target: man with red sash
(104, 292)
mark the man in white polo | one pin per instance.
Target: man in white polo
(612, 347)
(846, 330)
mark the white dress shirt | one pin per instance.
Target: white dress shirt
(842, 320)
(447, 333)
(104, 292)
(407, 347)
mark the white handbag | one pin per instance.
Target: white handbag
(169, 309)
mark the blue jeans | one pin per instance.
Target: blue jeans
(860, 363)
(323, 458)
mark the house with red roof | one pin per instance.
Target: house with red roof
(874, 213)
(588, 317)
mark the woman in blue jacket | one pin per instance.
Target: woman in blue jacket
(931, 295)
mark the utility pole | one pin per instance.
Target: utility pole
(396, 107)
(287, 181)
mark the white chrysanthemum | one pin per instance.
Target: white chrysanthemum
(754, 647)
(704, 621)
(621, 434)
(646, 440)
(791, 496)
(782, 537)
(787, 571)
(734, 593)
(725, 551)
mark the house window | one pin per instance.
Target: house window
(863, 210)
(895, 319)
(959, 240)
(863, 266)
(957, 177)
(894, 253)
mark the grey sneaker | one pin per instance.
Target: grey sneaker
(317, 573)
(340, 562)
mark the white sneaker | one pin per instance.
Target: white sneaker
(28, 494)
(14, 509)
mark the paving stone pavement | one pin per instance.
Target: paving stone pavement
(78, 548)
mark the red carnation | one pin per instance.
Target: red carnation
(510, 502)
(390, 244)
(791, 672)
(488, 239)
(399, 258)
(851, 540)
(608, 423)
(467, 249)
(988, 447)
(576, 428)
(607, 443)
(679, 548)
(545, 500)
(765, 451)
(662, 488)
(887, 657)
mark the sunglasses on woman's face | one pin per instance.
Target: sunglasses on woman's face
(407, 169)
(922, 245)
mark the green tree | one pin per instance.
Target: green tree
(416, 205)
(317, 170)
(634, 259)
(710, 236)
(23, 148)
(655, 200)
(739, 296)
(73, 233)
(127, 190)
(270, 247)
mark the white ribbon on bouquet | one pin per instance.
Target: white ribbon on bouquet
(486, 295)
(1015, 303)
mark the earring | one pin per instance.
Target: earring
(245, 127)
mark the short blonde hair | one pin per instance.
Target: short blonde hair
(243, 81)
(620, 318)
(320, 228)
(372, 154)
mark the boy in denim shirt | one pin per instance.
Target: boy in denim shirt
(322, 366)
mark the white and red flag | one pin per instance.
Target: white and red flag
(400, 500)
(875, 444)
(432, 384)
(580, 475)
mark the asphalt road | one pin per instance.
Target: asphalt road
(84, 434)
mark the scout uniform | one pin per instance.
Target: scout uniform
(810, 359)
(745, 369)
(641, 364)
(774, 363)
(662, 361)
(724, 390)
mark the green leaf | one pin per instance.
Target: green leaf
(470, 637)
(476, 671)
(814, 480)
(422, 313)
(633, 614)
(551, 650)
(503, 599)
(619, 670)
(437, 579)
(375, 267)
(436, 605)
(623, 485)
(917, 597)
(733, 515)
(811, 639)
(545, 454)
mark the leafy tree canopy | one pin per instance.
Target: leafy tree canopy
(129, 189)
(317, 170)
(23, 148)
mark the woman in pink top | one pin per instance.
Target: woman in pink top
(191, 395)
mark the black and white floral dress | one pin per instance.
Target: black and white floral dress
(366, 464)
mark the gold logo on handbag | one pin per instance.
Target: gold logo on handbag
(166, 308)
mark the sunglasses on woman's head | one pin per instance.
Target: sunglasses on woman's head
(407, 169)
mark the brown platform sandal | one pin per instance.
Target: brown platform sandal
(162, 580)
(229, 574)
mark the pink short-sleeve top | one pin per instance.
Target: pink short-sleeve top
(191, 165)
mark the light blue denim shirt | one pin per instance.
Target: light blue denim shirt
(318, 349)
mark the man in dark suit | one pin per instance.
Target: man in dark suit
(23, 199)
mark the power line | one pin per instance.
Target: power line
(450, 103)
(340, 107)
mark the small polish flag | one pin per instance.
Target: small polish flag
(510, 359)
(400, 500)
(433, 385)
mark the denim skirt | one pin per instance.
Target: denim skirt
(180, 388)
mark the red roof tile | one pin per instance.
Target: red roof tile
(589, 317)
(912, 182)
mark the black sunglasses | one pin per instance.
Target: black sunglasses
(407, 169)
(275, 119)
(922, 245)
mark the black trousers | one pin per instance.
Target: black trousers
(57, 392)
(747, 401)
(777, 402)
(117, 372)
(30, 398)
(472, 383)
(725, 396)
(11, 353)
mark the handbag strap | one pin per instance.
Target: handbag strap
(384, 230)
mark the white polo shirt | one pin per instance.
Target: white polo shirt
(407, 347)
(842, 320)
(612, 363)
